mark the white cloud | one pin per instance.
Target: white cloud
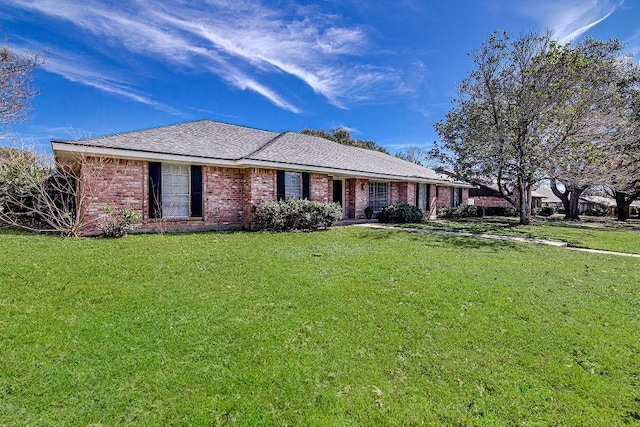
(243, 42)
(569, 19)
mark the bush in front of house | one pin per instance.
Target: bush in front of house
(296, 214)
(500, 211)
(462, 211)
(400, 213)
(546, 211)
(117, 223)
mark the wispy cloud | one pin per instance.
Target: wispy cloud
(243, 42)
(569, 19)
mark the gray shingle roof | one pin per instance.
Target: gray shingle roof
(214, 140)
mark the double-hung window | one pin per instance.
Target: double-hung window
(456, 196)
(423, 196)
(175, 190)
(378, 195)
(292, 185)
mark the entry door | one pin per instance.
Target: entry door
(338, 185)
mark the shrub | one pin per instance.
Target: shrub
(596, 212)
(546, 211)
(462, 211)
(500, 211)
(295, 214)
(117, 223)
(368, 212)
(401, 213)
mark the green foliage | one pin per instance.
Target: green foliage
(343, 136)
(462, 211)
(368, 212)
(596, 212)
(546, 211)
(297, 214)
(400, 213)
(352, 326)
(117, 223)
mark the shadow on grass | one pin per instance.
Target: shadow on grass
(441, 241)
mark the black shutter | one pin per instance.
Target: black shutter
(305, 185)
(155, 190)
(417, 194)
(196, 191)
(453, 196)
(427, 205)
(280, 185)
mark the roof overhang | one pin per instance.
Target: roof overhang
(70, 152)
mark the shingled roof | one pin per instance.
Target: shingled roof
(231, 145)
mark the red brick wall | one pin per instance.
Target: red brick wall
(396, 192)
(259, 187)
(223, 196)
(411, 193)
(110, 182)
(319, 187)
(444, 197)
(356, 198)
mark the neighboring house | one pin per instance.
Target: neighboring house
(608, 204)
(487, 195)
(548, 198)
(206, 175)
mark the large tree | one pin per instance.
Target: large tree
(16, 89)
(623, 175)
(343, 136)
(586, 121)
(525, 101)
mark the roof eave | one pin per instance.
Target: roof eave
(67, 149)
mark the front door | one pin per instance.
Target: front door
(337, 193)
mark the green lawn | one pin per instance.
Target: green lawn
(589, 233)
(351, 326)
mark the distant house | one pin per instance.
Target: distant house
(488, 196)
(206, 175)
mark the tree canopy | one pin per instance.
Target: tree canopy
(343, 136)
(532, 108)
(16, 89)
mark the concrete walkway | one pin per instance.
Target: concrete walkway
(494, 237)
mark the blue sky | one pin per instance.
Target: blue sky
(385, 70)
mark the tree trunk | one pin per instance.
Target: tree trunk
(570, 199)
(525, 203)
(623, 205)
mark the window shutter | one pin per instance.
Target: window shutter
(305, 185)
(280, 185)
(428, 201)
(417, 194)
(196, 191)
(155, 188)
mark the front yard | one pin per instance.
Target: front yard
(350, 326)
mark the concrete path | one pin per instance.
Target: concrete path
(494, 237)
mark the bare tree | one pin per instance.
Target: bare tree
(16, 89)
(39, 196)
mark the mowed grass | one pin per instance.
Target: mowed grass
(589, 233)
(346, 327)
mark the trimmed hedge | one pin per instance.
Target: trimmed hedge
(546, 211)
(400, 213)
(462, 211)
(295, 214)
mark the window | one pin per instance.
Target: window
(423, 196)
(456, 197)
(378, 195)
(292, 185)
(175, 190)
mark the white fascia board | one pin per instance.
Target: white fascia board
(70, 149)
